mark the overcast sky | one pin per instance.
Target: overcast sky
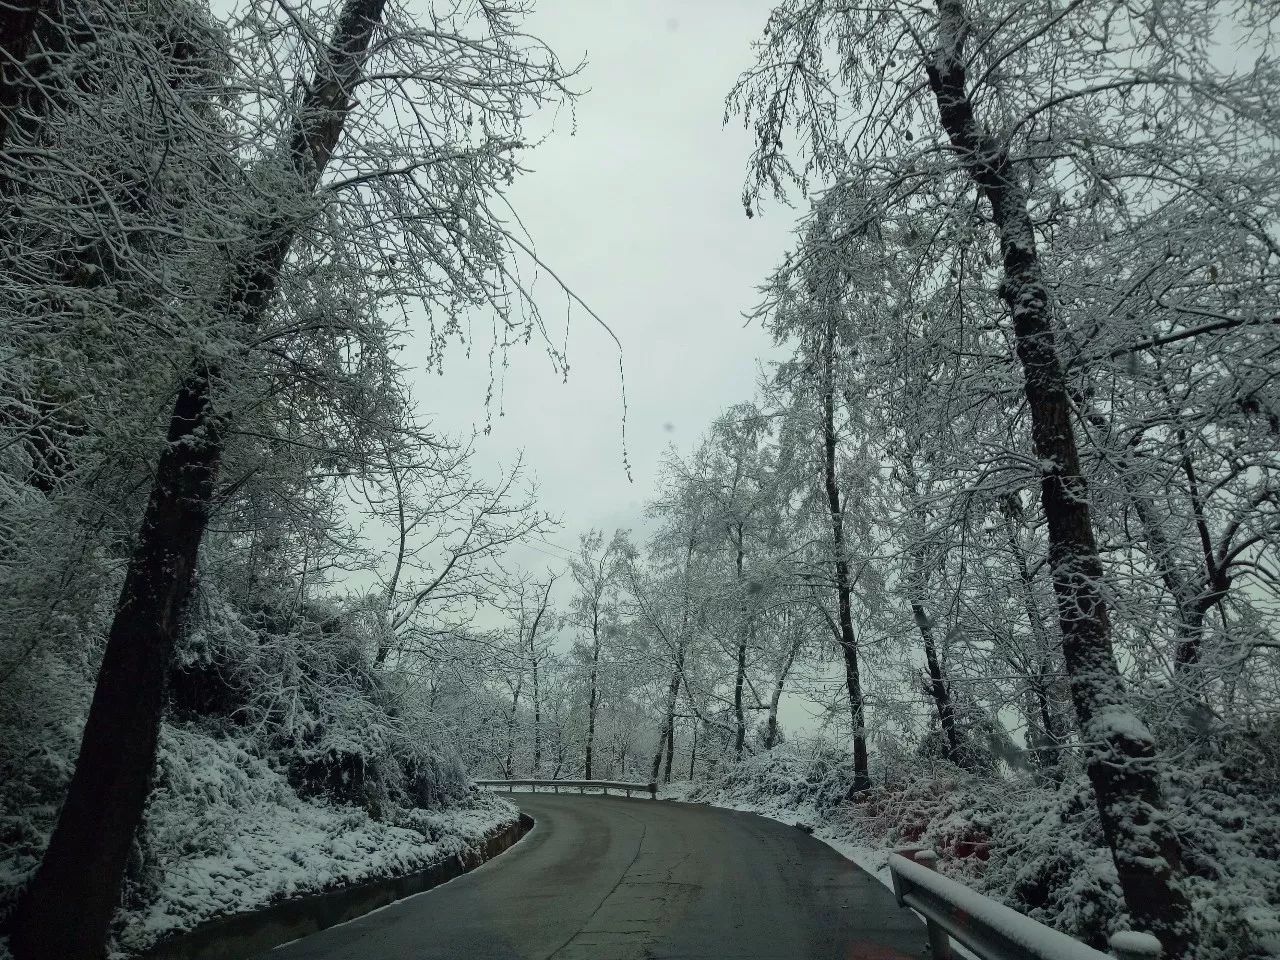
(639, 212)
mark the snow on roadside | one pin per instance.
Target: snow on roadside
(226, 833)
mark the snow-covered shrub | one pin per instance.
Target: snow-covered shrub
(299, 681)
(38, 746)
(786, 779)
(940, 807)
(1228, 819)
(1049, 860)
(288, 763)
(433, 779)
(225, 832)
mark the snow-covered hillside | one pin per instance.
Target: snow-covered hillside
(226, 833)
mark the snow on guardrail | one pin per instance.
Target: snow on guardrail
(989, 929)
(582, 786)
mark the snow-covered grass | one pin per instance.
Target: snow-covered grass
(226, 833)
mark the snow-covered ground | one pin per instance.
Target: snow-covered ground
(227, 834)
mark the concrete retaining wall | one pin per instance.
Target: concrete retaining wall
(247, 934)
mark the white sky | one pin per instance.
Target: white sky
(639, 213)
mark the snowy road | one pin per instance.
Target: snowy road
(613, 879)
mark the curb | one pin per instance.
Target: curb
(244, 935)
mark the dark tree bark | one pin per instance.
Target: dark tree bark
(537, 722)
(938, 687)
(659, 753)
(1046, 730)
(693, 753)
(1195, 605)
(1193, 596)
(67, 909)
(1120, 753)
(840, 562)
(511, 728)
(533, 659)
(669, 716)
(671, 750)
(938, 690)
(740, 672)
(69, 905)
(666, 735)
(771, 724)
(592, 697)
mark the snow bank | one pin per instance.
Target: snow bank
(226, 833)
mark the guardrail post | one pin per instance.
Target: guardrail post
(939, 942)
(1129, 945)
(653, 791)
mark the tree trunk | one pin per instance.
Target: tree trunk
(511, 728)
(693, 751)
(1044, 750)
(740, 674)
(67, 909)
(916, 591)
(669, 714)
(938, 687)
(667, 735)
(537, 722)
(1192, 600)
(840, 561)
(1215, 582)
(1120, 752)
(671, 751)
(771, 725)
(533, 658)
(592, 697)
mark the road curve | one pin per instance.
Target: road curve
(606, 878)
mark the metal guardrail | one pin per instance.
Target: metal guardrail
(582, 785)
(990, 929)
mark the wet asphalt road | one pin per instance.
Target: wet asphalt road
(603, 878)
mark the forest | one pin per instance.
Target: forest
(987, 562)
